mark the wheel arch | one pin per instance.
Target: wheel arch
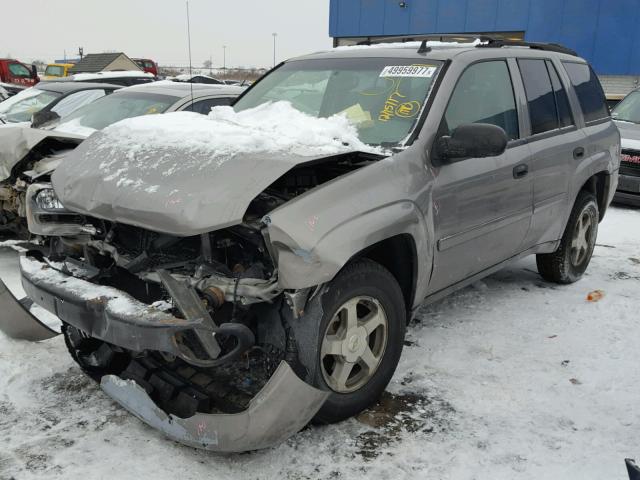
(599, 184)
(398, 254)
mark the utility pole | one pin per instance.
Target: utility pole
(274, 48)
(81, 52)
(224, 60)
(210, 65)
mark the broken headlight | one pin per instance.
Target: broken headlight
(46, 199)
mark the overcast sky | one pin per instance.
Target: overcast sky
(157, 29)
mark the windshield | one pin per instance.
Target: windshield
(113, 108)
(54, 71)
(22, 106)
(629, 109)
(383, 97)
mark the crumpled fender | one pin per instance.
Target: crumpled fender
(16, 141)
(17, 322)
(315, 235)
(281, 409)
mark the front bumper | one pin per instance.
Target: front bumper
(628, 191)
(17, 322)
(279, 410)
(103, 312)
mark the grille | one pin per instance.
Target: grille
(630, 164)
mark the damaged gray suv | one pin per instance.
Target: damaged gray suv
(228, 303)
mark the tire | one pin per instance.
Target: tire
(82, 348)
(567, 264)
(378, 299)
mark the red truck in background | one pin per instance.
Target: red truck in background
(147, 65)
(16, 76)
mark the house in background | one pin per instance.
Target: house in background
(104, 62)
(605, 32)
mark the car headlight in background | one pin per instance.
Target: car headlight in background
(46, 199)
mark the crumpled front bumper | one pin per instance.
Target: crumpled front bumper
(281, 409)
(105, 313)
(17, 322)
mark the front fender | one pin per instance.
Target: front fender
(306, 262)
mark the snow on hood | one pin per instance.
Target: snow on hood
(184, 173)
(271, 127)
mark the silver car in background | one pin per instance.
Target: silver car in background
(29, 154)
(627, 117)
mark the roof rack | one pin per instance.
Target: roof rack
(424, 48)
(487, 42)
(547, 47)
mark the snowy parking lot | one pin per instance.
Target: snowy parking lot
(510, 378)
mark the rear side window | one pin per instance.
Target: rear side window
(540, 96)
(484, 94)
(588, 90)
(562, 102)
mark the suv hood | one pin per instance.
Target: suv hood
(170, 191)
(185, 174)
(630, 134)
(16, 141)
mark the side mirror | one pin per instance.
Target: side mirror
(43, 117)
(470, 140)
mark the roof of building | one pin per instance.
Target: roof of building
(95, 62)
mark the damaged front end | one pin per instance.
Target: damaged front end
(191, 334)
(169, 288)
(27, 155)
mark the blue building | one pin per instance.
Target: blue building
(605, 32)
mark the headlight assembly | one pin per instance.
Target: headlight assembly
(46, 199)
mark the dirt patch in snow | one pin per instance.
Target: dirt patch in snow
(403, 413)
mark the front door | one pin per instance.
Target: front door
(482, 206)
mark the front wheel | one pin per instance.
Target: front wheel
(360, 339)
(568, 263)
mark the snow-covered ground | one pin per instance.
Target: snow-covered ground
(512, 378)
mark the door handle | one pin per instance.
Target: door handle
(578, 153)
(520, 171)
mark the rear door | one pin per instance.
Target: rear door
(554, 141)
(482, 206)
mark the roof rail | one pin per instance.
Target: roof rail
(445, 37)
(547, 47)
(487, 42)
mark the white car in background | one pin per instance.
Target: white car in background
(29, 154)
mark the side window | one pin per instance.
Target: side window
(540, 96)
(484, 94)
(18, 70)
(562, 102)
(205, 106)
(588, 90)
(76, 100)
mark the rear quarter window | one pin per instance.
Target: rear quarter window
(589, 91)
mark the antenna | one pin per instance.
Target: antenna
(190, 66)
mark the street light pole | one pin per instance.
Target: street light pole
(274, 48)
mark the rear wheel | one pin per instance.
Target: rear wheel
(568, 263)
(360, 339)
